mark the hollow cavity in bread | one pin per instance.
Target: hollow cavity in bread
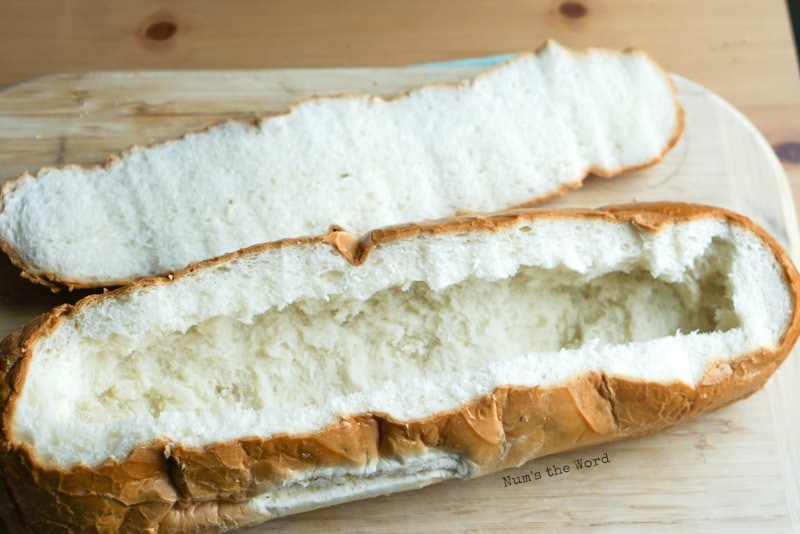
(351, 346)
(287, 339)
(520, 133)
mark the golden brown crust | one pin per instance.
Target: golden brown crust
(56, 281)
(170, 486)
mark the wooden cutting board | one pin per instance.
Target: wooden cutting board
(735, 470)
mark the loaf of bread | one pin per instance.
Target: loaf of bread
(307, 372)
(520, 133)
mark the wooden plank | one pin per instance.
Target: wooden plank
(713, 42)
(734, 469)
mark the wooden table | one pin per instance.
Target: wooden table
(741, 50)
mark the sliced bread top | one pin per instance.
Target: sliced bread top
(522, 132)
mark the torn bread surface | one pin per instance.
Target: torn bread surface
(305, 372)
(520, 133)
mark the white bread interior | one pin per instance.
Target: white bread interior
(287, 339)
(520, 133)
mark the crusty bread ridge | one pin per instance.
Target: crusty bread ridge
(473, 417)
(518, 134)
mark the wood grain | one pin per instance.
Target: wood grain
(737, 469)
(710, 41)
